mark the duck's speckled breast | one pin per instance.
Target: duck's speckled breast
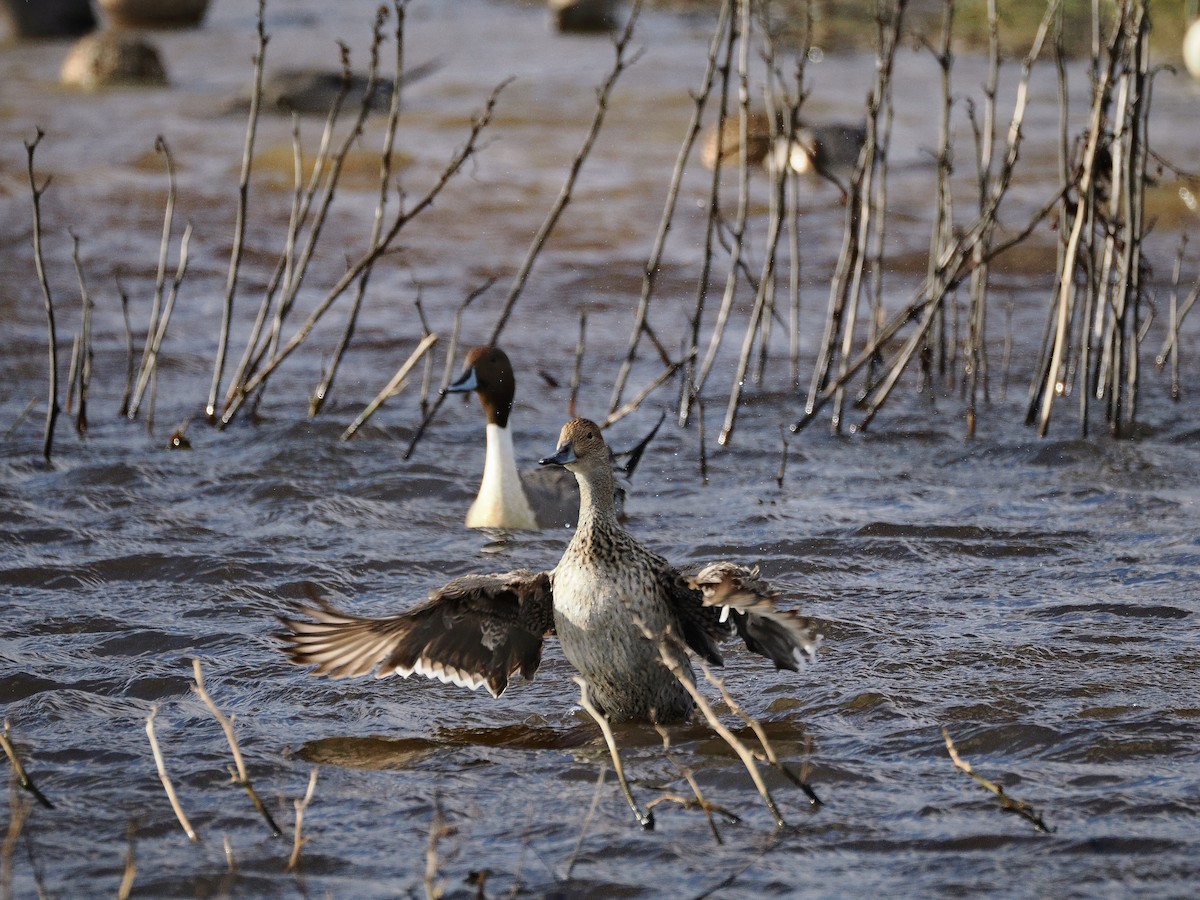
(597, 596)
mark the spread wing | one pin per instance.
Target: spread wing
(786, 638)
(477, 630)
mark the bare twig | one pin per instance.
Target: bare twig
(19, 810)
(19, 770)
(587, 820)
(85, 341)
(1007, 803)
(564, 195)
(759, 732)
(166, 779)
(645, 392)
(52, 407)
(645, 819)
(650, 271)
(385, 177)
(448, 372)
(239, 393)
(129, 875)
(673, 658)
(392, 387)
(239, 230)
(700, 800)
(301, 805)
(154, 341)
(239, 774)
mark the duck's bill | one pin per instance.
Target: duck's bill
(467, 381)
(564, 456)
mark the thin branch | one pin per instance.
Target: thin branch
(301, 805)
(240, 776)
(564, 194)
(392, 387)
(239, 229)
(1007, 803)
(19, 770)
(239, 393)
(166, 779)
(52, 407)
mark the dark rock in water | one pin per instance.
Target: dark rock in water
(48, 18)
(154, 13)
(583, 15)
(111, 59)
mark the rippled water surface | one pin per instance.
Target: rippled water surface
(1036, 597)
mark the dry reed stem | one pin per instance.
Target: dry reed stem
(669, 654)
(240, 776)
(394, 386)
(690, 392)
(621, 63)
(403, 217)
(759, 732)
(587, 821)
(956, 263)
(332, 170)
(154, 341)
(1007, 803)
(52, 407)
(438, 829)
(166, 779)
(645, 392)
(301, 805)
(385, 176)
(327, 170)
(239, 228)
(85, 340)
(448, 372)
(699, 798)
(19, 810)
(160, 277)
(743, 32)
(19, 770)
(129, 874)
(645, 819)
(653, 263)
(577, 371)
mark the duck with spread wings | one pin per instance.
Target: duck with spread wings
(600, 600)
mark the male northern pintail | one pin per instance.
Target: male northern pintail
(829, 149)
(509, 498)
(481, 629)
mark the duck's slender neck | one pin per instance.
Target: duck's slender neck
(596, 506)
(501, 502)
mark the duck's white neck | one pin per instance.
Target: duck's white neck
(501, 502)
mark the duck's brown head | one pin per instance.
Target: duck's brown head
(580, 445)
(490, 375)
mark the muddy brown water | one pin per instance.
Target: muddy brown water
(1036, 597)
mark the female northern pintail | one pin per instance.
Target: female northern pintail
(481, 629)
(508, 498)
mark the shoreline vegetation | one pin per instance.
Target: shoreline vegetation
(1104, 296)
(846, 25)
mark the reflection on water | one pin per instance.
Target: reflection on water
(1036, 598)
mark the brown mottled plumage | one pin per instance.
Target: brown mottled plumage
(606, 589)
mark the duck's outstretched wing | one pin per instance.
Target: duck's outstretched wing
(477, 630)
(786, 638)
